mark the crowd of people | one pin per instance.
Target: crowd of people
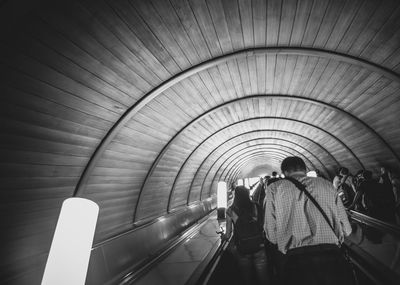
(378, 198)
(289, 231)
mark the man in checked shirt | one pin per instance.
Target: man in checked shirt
(310, 247)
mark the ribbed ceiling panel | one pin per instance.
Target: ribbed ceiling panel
(142, 106)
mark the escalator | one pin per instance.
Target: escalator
(373, 248)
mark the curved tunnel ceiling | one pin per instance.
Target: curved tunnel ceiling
(258, 136)
(142, 106)
(256, 168)
(259, 159)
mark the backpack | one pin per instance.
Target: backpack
(378, 197)
(369, 198)
(347, 194)
(247, 235)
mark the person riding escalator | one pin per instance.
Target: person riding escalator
(248, 245)
(373, 198)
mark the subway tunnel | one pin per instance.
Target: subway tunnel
(144, 106)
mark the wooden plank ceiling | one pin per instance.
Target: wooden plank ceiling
(143, 106)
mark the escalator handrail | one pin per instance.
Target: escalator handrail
(375, 272)
(217, 257)
(387, 227)
(204, 272)
(211, 262)
(146, 266)
(365, 261)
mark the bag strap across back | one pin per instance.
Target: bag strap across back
(303, 189)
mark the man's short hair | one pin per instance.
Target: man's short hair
(367, 175)
(358, 173)
(293, 163)
(344, 171)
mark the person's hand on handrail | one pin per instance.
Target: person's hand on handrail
(224, 237)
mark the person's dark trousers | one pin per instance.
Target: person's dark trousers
(275, 261)
(316, 265)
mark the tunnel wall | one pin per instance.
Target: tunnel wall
(142, 106)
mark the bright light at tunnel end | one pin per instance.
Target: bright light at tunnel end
(221, 195)
(69, 254)
(222, 200)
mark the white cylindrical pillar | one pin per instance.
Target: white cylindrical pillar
(69, 254)
(222, 195)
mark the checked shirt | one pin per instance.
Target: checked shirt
(292, 220)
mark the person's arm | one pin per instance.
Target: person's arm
(256, 194)
(396, 186)
(351, 181)
(228, 229)
(343, 220)
(336, 181)
(356, 199)
(343, 180)
(265, 198)
(270, 217)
